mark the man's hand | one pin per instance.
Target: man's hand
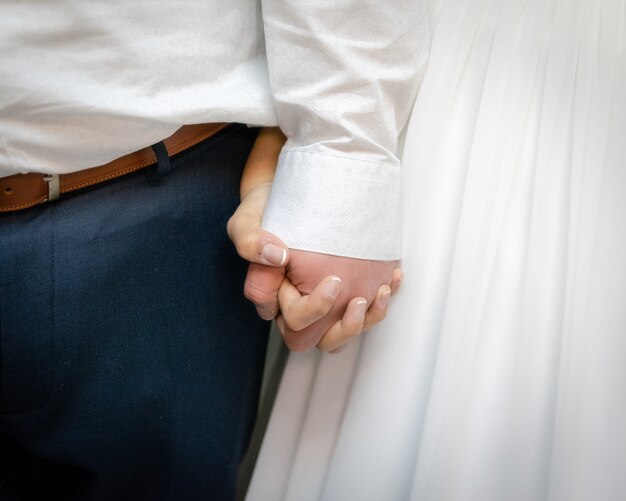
(361, 294)
(356, 294)
(318, 309)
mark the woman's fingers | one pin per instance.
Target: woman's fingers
(378, 310)
(253, 243)
(396, 282)
(346, 329)
(300, 311)
(357, 318)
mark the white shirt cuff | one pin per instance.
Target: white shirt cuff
(334, 204)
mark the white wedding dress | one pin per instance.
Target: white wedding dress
(500, 372)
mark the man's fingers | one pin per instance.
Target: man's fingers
(346, 329)
(261, 287)
(300, 311)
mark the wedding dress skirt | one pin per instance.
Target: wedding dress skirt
(500, 372)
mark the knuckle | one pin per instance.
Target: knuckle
(295, 320)
(375, 317)
(325, 347)
(318, 309)
(352, 332)
(244, 244)
(295, 324)
(259, 294)
(230, 226)
(334, 347)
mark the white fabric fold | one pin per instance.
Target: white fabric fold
(82, 84)
(500, 372)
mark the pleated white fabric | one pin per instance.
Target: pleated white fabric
(500, 373)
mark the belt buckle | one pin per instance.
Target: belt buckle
(54, 186)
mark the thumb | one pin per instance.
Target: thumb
(261, 287)
(253, 243)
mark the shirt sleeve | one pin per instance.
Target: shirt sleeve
(344, 75)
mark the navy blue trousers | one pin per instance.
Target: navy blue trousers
(130, 361)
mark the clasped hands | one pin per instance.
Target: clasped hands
(317, 299)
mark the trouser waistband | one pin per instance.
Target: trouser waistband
(22, 191)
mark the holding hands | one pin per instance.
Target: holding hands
(317, 299)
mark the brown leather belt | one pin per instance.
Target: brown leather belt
(21, 191)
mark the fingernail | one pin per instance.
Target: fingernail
(332, 287)
(274, 254)
(400, 279)
(265, 313)
(359, 309)
(384, 298)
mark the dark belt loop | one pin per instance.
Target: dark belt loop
(163, 165)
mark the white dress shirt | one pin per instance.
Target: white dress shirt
(82, 83)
